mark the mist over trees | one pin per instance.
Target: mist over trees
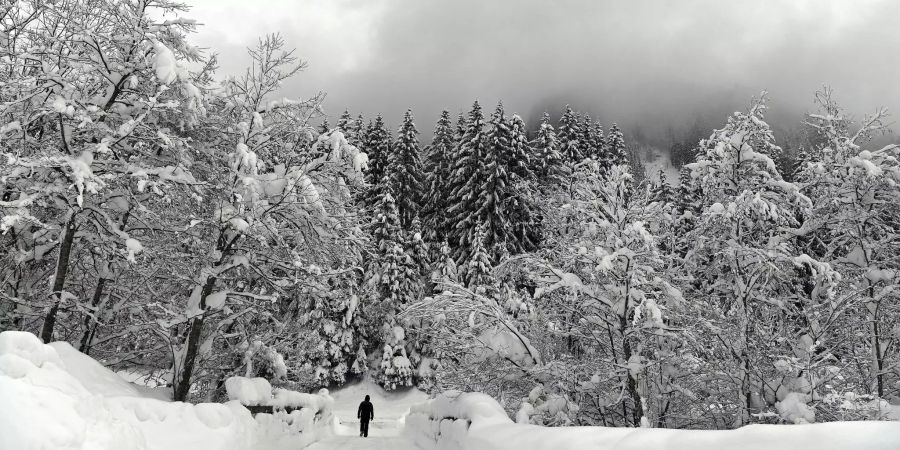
(189, 230)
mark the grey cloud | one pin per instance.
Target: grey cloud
(657, 63)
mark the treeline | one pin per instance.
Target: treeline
(449, 212)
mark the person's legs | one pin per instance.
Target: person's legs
(364, 428)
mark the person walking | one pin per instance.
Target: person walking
(365, 413)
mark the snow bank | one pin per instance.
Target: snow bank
(53, 397)
(475, 421)
(310, 419)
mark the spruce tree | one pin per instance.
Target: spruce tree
(615, 153)
(495, 184)
(586, 139)
(378, 147)
(517, 157)
(325, 127)
(569, 137)
(394, 281)
(464, 184)
(479, 266)
(437, 174)
(404, 171)
(545, 150)
(358, 134)
(345, 123)
(597, 141)
(661, 192)
(461, 126)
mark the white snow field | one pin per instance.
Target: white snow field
(476, 421)
(53, 397)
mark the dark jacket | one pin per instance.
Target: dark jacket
(366, 411)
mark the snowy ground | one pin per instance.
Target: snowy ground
(384, 431)
(53, 397)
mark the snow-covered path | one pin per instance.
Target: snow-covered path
(383, 434)
(384, 431)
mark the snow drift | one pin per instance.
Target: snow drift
(53, 397)
(476, 421)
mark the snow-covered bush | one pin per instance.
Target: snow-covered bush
(543, 408)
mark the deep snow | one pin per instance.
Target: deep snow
(53, 397)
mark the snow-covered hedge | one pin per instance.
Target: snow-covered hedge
(447, 421)
(52, 396)
(309, 416)
(475, 421)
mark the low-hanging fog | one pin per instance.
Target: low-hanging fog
(656, 67)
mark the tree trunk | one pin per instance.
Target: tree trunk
(877, 356)
(88, 335)
(632, 384)
(59, 280)
(182, 383)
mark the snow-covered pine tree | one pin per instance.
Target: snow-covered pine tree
(325, 127)
(661, 192)
(378, 147)
(546, 159)
(569, 135)
(586, 140)
(345, 123)
(501, 203)
(358, 134)
(614, 152)
(479, 263)
(597, 142)
(636, 167)
(404, 171)
(517, 157)
(461, 127)
(524, 219)
(465, 184)
(437, 175)
(393, 281)
(444, 269)
(418, 251)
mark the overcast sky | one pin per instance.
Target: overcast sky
(655, 61)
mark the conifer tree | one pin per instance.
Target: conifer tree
(546, 157)
(345, 123)
(465, 183)
(478, 268)
(569, 137)
(461, 126)
(392, 278)
(325, 127)
(586, 139)
(517, 156)
(358, 134)
(437, 174)
(417, 249)
(378, 147)
(597, 141)
(495, 186)
(404, 171)
(615, 152)
(661, 193)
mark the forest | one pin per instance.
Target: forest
(186, 227)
